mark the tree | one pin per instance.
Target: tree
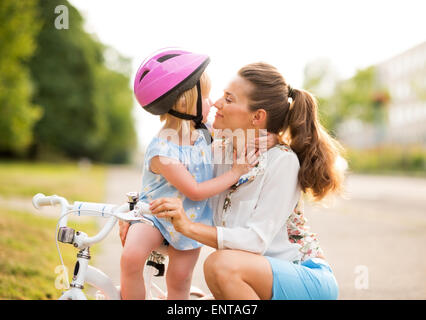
(361, 96)
(320, 79)
(116, 136)
(62, 69)
(358, 97)
(86, 105)
(18, 29)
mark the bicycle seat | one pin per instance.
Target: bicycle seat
(163, 249)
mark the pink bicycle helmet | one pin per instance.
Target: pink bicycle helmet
(166, 74)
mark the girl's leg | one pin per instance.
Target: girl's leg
(239, 275)
(141, 240)
(179, 272)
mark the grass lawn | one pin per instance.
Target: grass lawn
(28, 255)
(25, 179)
(389, 160)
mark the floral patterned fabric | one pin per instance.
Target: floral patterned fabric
(248, 177)
(298, 232)
(197, 159)
(297, 229)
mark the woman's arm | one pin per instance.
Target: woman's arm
(172, 208)
(178, 176)
(279, 195)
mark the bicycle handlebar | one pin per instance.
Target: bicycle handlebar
(87, 208)
(40, 200)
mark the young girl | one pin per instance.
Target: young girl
(172, 84)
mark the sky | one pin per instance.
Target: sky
(287, 34)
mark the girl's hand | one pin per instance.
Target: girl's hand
(245, 162)
(123, 228)
(264, 142)
(172, 209)
(271, 140)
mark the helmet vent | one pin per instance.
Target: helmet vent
(143, 75)
(167, 57)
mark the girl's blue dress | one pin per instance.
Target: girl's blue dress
(197, 159)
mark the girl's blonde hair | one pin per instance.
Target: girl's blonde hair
(187, 103)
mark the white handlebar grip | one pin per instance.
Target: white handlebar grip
(41, 200)
(88, 208)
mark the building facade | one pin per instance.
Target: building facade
(404, 75)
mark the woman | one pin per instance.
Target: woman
(264, 250)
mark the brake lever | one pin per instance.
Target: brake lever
(136, 214)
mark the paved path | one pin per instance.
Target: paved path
(379, 231)
(374, 240)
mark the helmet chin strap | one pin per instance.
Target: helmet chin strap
(198, 119)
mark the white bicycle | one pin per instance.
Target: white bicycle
(83, 272)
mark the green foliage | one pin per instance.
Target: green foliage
(28, 255)
(64, 81)
(18, 28)
(389, 159)
(116, 136)
(58, 95)
(87, 107)
(418, 84)
(360, 96)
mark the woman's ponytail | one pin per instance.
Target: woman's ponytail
(298, 125)
(317, 151)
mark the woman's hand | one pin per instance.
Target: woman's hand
(123, 228)
(172, 209)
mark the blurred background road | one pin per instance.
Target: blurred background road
(374, 240)
(382, 227)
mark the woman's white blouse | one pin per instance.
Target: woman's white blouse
(255, 215)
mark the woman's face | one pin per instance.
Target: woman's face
(232, 108)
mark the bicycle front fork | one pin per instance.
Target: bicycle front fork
(77, 285)
(80, 269)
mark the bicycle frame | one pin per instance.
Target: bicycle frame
(85, 273)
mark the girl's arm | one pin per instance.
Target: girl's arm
(178, 176)
(278, 199)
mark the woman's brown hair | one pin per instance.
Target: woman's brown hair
(297, 125)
